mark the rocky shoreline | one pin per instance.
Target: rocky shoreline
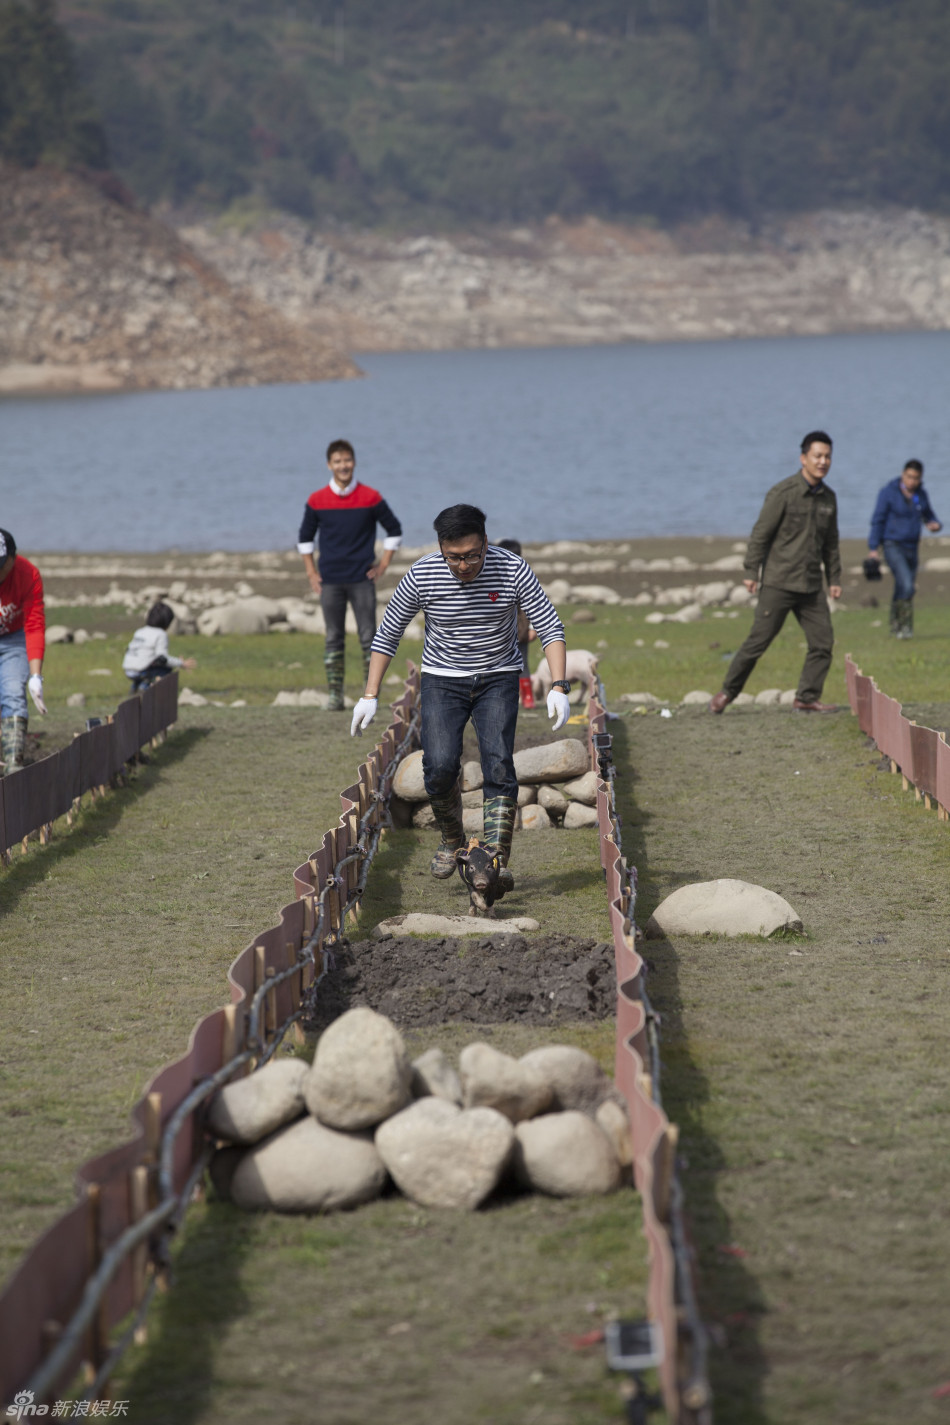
(98, 296)
(590, 282)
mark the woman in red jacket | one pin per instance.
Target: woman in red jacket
(22, 645)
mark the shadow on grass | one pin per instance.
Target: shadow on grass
(95, 820)
(173, 1376)
(730, 1298)
(386, 887)
(563, 883)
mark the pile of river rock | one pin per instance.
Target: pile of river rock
(302, 1138)
(555, 785)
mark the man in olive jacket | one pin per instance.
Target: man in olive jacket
(795, 536)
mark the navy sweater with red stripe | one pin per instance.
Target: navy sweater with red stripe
(345, 528)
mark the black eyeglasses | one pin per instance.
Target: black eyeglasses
(464, 558)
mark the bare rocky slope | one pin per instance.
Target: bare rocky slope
(97, 296)
(590, 282)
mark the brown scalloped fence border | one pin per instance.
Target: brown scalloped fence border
(920, 754)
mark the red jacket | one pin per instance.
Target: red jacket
(21, 606)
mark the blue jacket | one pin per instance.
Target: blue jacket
(895, 517)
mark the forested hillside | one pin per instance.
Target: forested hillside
(401, 112)
(44, 113)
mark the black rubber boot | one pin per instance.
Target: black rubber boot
(499, 814)
(334, 664)
(448, 814)
(12, 742)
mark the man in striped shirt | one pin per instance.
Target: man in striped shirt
(470, 593)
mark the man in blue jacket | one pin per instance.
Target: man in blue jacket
(342, 519)
(902, 508)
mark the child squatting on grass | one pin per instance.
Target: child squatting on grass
(147, 657)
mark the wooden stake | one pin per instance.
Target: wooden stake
(98, 1329)
(926, 801)
(153, 1127)
(904, 783)
(138, 1207)
(229, 1034)
(270, 1006)
(663, 1180)
(894, 767)
(260, 962)
(295, 982)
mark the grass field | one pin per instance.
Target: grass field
(809, 1078)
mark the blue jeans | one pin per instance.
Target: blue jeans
(902, 562)
(14, 672)
(333, 601)
(147, 676)
(491, 701)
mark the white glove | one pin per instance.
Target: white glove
(363, 715)
(35, 686)
(559, 707)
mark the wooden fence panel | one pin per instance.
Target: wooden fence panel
(862, 697)
(29, 798)
(149, 724)
(943, 774)
(925, 742)
(95, 756)
(126, 722)
(166, 701)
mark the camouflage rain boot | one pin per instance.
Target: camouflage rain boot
(12, 742)
(448, 814)
(366, 657)
(334, 663)
(895, 623)
(904, 610)
(499, 814)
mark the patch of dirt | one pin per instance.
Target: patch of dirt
(497, 980)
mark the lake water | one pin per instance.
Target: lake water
(584, 443)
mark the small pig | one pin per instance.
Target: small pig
(484, 875)
(581, 669)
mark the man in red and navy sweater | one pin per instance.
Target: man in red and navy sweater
(22, 646)
(342, 519)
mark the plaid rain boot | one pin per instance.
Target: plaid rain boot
(499, 814)
(448, 814)
(334, 662)
(12, 742)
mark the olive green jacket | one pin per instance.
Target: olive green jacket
(796, 533)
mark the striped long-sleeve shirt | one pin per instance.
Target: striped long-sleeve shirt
(471, 627)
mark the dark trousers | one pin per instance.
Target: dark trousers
(490, 700)
(159, 669)
(362, 598)
(902, 562)
(774, 606)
